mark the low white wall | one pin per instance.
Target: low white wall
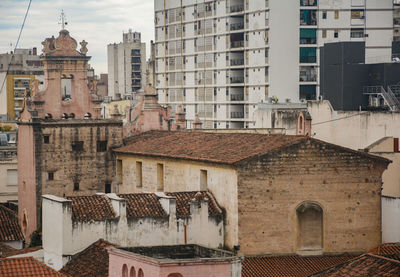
(390, 219)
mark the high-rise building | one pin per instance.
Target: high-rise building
(220, 58)
(19, 73)
(126, 66)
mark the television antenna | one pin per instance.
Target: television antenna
(62, 20)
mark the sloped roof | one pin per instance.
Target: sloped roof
(93, 261)
(143, 205)
(183, 202)
(225, 148)
(9, 227)
(364, 265)
(5, 250)
(22, 251)
(289, 266)
(27, 267)
(94, 207)
(386, 249)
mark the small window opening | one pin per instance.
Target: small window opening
(76, 186)
(203, 180)
(139, 178)
(107, 188)
(102, 146)
(160, 177)
(77, 146)
(50, 176)
(46, 139)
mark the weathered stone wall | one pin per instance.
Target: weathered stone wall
(90, 168)
(345, 185)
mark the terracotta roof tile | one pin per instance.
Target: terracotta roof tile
(364, 265)
(9, 227)
(227, 148)
(183, 202)
(27, 267)
(95, 207)
(93, 261)
(143, 205)
(23, 251)
(5, 249)
(386, 249)
(289, 266)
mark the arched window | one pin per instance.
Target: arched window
(124, 270)
(140, 273)
(175, 275)
(132, 272)
(309, 227)
(66, 85)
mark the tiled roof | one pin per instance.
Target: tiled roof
(22, 251)
(27, 267)
(227, 148)
(5, 249)
(94, 207)
(364, 265)
(93, 261)
(289, 266)
(386, 249)
(9, 227)
(143, 205)
(99, 207)
(183, 202)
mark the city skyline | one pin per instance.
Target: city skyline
(99, 23)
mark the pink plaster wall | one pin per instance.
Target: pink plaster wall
(153, 269)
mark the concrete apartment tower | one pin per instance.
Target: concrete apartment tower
(126, 66)
(64, 148)
(220, 58)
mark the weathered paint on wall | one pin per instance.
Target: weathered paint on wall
(390, 219)
(185, 176)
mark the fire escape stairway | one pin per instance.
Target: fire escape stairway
(388, 96)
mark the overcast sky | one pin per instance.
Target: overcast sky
(99, 22)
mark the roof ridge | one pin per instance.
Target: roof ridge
(383, 258)
(9, 210)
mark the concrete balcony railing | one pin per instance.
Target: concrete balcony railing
(237, 80)
(237, 26)
(237, 114)
(308, 78)
(237, 44)
(237, 8)
(237, 97)
(235, 62)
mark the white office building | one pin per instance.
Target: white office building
(126, 66)
(220, 58)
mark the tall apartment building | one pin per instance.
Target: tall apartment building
(396, 20)
(220, 58)
(126, 65)
(18, 72)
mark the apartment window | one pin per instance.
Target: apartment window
(12, 177)
(324, 33)
(160, 177)
(139, 174)
(308, 17)
(357, 14)
(336, 33)
(102, 146)
(50, 176)
(308, 36)
(77, 146)
(46, 139)
(76, 186)
(336, 15)
(308, 2)
(308, 55)
(203, 180)
(357, 33)
(107, 188)
(323, 14)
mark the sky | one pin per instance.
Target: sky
(99, 22)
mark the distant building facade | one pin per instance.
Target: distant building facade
(126, 66)
(8, 173)
(64, 147)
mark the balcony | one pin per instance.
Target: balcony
(237, 8)
(308, 77)
(237, 80)
(308, 3)
(237, 26)
(237, 114)
(237, 44)
(308, 18)
(135, 60)
(237, 62)
(237, 97)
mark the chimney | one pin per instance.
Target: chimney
(197, 124)
(180, 118)
(115, 113)
(119, 204)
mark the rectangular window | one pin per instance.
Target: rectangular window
(308, 17)
(308, 36)
(12, 177)
(76, 186)
(323, 14)
(306, 3)
(160, 177)
(77, 145)
(203, 180)
(119, 170)
(107, 188)
(357, 33)
(46, 139)
(102, 146)
(324, 33)
(139, 174)
(50, 176)
(336, 14)
(357, 14)
(308, 55)
(336, 33)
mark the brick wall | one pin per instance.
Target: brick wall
(344, 184)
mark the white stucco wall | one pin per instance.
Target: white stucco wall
(63, 238)
(390, 219)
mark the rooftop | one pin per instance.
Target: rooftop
(93, 261)
(289, 266)
(224, 148)
(9, 227)
(26, 266)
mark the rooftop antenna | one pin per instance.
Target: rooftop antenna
(62, 20)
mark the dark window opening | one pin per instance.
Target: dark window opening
(46, 139)
(102, 146)
(108, 188)
(77, 146)
(50, 176)
(76, 186)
